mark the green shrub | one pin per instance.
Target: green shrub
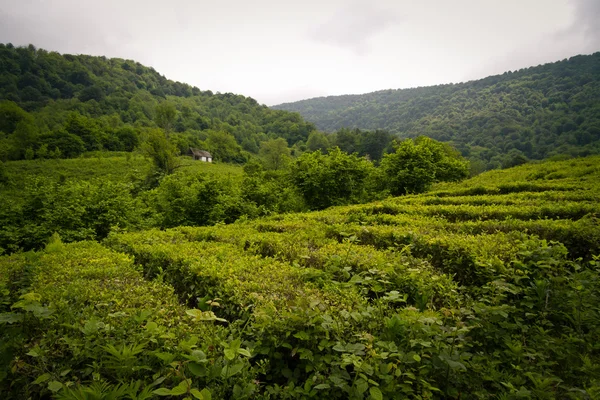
(332, 179)
(89, 317)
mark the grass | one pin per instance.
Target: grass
(120, 168)
(117, 168)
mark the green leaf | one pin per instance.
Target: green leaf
(158, 381)
(162, 392)
(42, 378)
(189, 344)
(197, 355)
(302, 335)
(182, 388)
(194, 313)
(166, 357)
(417, 357)
(456, 365)
(244, 352)
(199, 315)
(55, 386)
(322, 386)
(151, 326)
(41, 312)
(361, 386)
(231, 370)
(35, 352)
(197, 369)
(307, 385)
(339, 347)
(201, 395)
(356, 348)
(10, 318)
(375, 393)
(229, 354)
(92, 326)
(235, 344)
(206, 394)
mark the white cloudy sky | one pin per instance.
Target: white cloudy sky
(278, 50)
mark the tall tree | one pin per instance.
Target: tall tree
(275, 153)
(418, 163)
(348, 140)
(10, 115)
(161, 152)
(165, 116)
(331, 179)
(25, 137)
(374, 143)
(317, 141)
(223, 147)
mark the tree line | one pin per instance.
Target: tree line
(167, 196)
(551, 110)
(62, 106)
(54, 106)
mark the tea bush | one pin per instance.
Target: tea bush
(474, 292)
(87, 322)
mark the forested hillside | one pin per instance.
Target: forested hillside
(54, 105)
(536, 112)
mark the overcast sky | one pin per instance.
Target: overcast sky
(278, 51)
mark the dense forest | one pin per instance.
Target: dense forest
(57, 106)
(533, 113)
(61, 106)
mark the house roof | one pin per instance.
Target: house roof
(200, 153)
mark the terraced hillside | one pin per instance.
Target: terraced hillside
(485, 289)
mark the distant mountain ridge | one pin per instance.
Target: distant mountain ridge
(107, 95)
(534, 112)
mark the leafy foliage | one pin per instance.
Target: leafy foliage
(112, 327)
(85, 199)
(161, 152)
(68, 104)
(415, 165)
(275, 154)
(484, 288)
(332, 179)
(204, 285)
(88, 209)
(499, 121)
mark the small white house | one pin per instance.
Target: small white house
(201, 155)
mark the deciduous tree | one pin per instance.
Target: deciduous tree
(331, 179)
(418, 163)
(161, 152)
(275, 153)
(165, 115)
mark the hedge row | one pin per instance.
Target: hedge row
(87, 322)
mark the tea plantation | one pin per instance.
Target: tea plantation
(486, 289)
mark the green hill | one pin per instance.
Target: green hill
(205, 283)
(538, 112)
(77, 103)
(86, 198)
(101, 192)
(487, 288)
